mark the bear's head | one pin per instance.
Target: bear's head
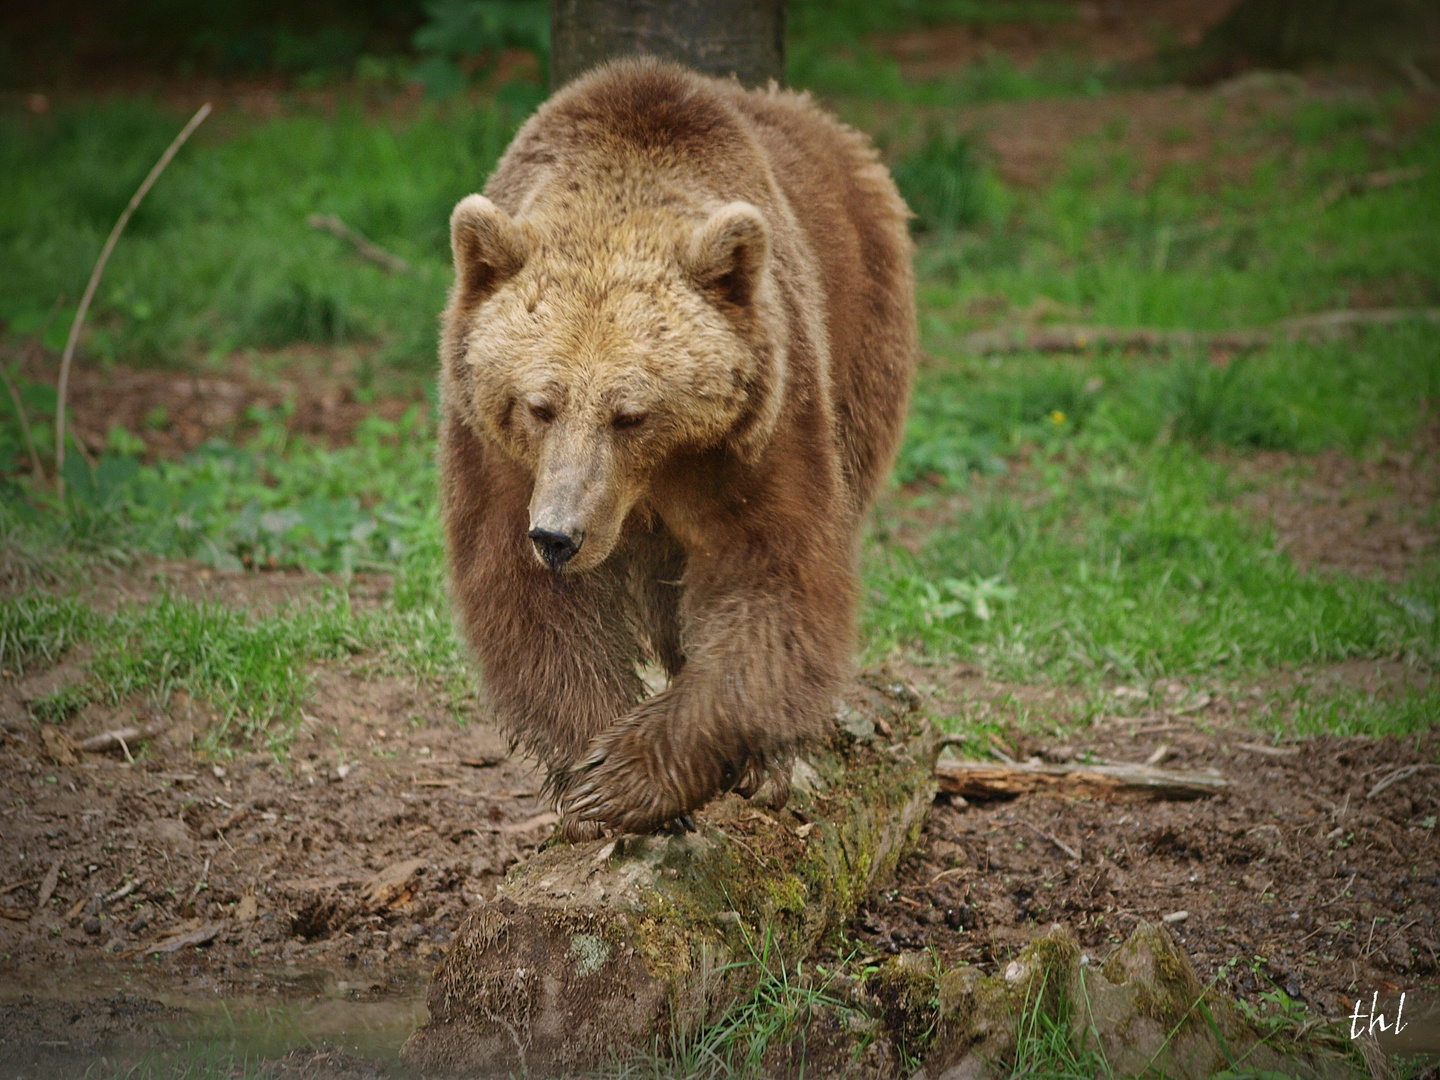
(599, 357)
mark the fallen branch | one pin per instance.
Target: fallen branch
(1269, 751)
(200, 936)
(1375, 181)
(1114, 783)
(364, 247)
(119, 739)
(1074, 339)
(94, 283)
(593, 949)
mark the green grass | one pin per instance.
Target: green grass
(1075, 499)
(252, 669)
(1195, 250)
(219, 256)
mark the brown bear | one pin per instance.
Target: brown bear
(676, 361)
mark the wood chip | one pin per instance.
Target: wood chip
(1114, 783)
(394, 885)
(230, 820)
(58, 745)
(47, 887)
(1175, 917)
(539, 821)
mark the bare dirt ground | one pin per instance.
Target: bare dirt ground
(1363, 517)
(173, 410)
(1316, 871)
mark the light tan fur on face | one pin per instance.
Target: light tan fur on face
(683, 329)
(594, 372)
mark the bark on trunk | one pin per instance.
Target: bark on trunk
(745, 38)
(594, 949)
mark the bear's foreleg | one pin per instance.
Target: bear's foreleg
(762, 669)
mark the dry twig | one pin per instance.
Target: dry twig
(119, 738)
(63, 385)
(364, 247)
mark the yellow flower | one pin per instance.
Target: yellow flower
(1057, 417)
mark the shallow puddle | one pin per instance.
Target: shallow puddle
(102, 1026)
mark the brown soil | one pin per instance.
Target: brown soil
(356, 858)
(1371, 517)
(1298, 863)
(173, 411)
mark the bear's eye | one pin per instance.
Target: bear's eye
(627, 420)
(542, 412)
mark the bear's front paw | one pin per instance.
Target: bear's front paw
(621, 784)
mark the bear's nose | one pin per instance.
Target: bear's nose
(556, 548)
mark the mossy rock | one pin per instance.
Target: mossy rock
(1144, 1012)
(592, 949)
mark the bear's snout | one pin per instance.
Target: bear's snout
(556, 548)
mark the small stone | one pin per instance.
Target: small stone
(1176, 917)
(91, 925)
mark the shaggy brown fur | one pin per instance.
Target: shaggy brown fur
(678, 354)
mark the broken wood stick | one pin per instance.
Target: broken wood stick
(364, 247)
(119, 739)
(594, 949)
(1060, 338)
(1113, 783)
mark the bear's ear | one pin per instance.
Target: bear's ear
(727, 254)
(489, 247)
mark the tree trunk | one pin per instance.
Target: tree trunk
(590, 950)
(745, 38)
